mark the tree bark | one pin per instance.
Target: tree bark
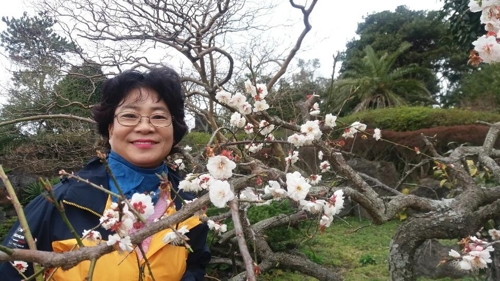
(441, 225)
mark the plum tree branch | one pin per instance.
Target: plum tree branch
(48, 116)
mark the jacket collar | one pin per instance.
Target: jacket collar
(83, 196)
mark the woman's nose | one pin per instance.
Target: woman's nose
(144, 124)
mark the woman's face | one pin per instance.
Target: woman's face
(143, 145)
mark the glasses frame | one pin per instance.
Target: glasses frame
(140, 120)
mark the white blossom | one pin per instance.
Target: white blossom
(220, 193)
(454, 254)
(495, 234)
(325, 221)
(245, 108)
(204, 181)
(311, 128)
(188, 148)
(91, 235)
(313, 207)
(274, 188)
(217, 227)
(249, 194)
(377, 134)
(320, 155)
(261, 90)
(293, 157)
(143, 204)
(314, 110)
(189, 185)
(297, 140)
(324, 166)
(254, 148)
(237, 100)
(249, 88)
(260, 105)
(180, 164)
(488, 48)
(249, 128)
(490, 15)
(479, 259)
(122, 244)
(314, 179)
(237, 120)
(109, 218)
(21, 266)
(265, 127)
(335, 204)
(475, 7)
(297, 186)
(220, 167)
(330, 120)
(223, 97)
(358, 126)
(349, 133)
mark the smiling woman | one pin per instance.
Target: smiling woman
(144, 143)
(142, 116)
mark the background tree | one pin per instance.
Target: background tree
(302, 84)
(465, 26)
(38, 53)
(77, 92)
(425, 30)
(374, 83)
(478, 89)
(45, 84)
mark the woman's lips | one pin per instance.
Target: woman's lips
(143, 144)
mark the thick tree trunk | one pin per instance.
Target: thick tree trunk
(495, 264)
(440, 225)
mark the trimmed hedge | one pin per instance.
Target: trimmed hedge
(414, 118)
(197, 140)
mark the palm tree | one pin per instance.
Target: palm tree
(374, 84)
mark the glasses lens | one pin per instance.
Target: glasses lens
(132, 119)
(160, 120)
(128, 118)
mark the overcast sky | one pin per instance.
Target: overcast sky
(334, 23)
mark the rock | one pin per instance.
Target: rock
(381, 170)
(19, 182)
(428, 256)
(429, 188)
(384, 171)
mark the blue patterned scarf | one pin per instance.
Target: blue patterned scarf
(133, 179)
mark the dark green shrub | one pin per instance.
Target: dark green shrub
(282, 237)
(6, 226)
(33, 190)
(197, 140)
(415, 118)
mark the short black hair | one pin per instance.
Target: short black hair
(165, 81)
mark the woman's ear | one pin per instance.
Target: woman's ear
(110, 130)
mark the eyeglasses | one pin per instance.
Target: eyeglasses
(131, 119)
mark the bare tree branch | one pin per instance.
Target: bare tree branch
(43, 117)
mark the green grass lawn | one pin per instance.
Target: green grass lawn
(356, 249)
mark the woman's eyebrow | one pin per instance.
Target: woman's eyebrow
(135, 107)
(162, 108)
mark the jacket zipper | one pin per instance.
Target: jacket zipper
(82, 208)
